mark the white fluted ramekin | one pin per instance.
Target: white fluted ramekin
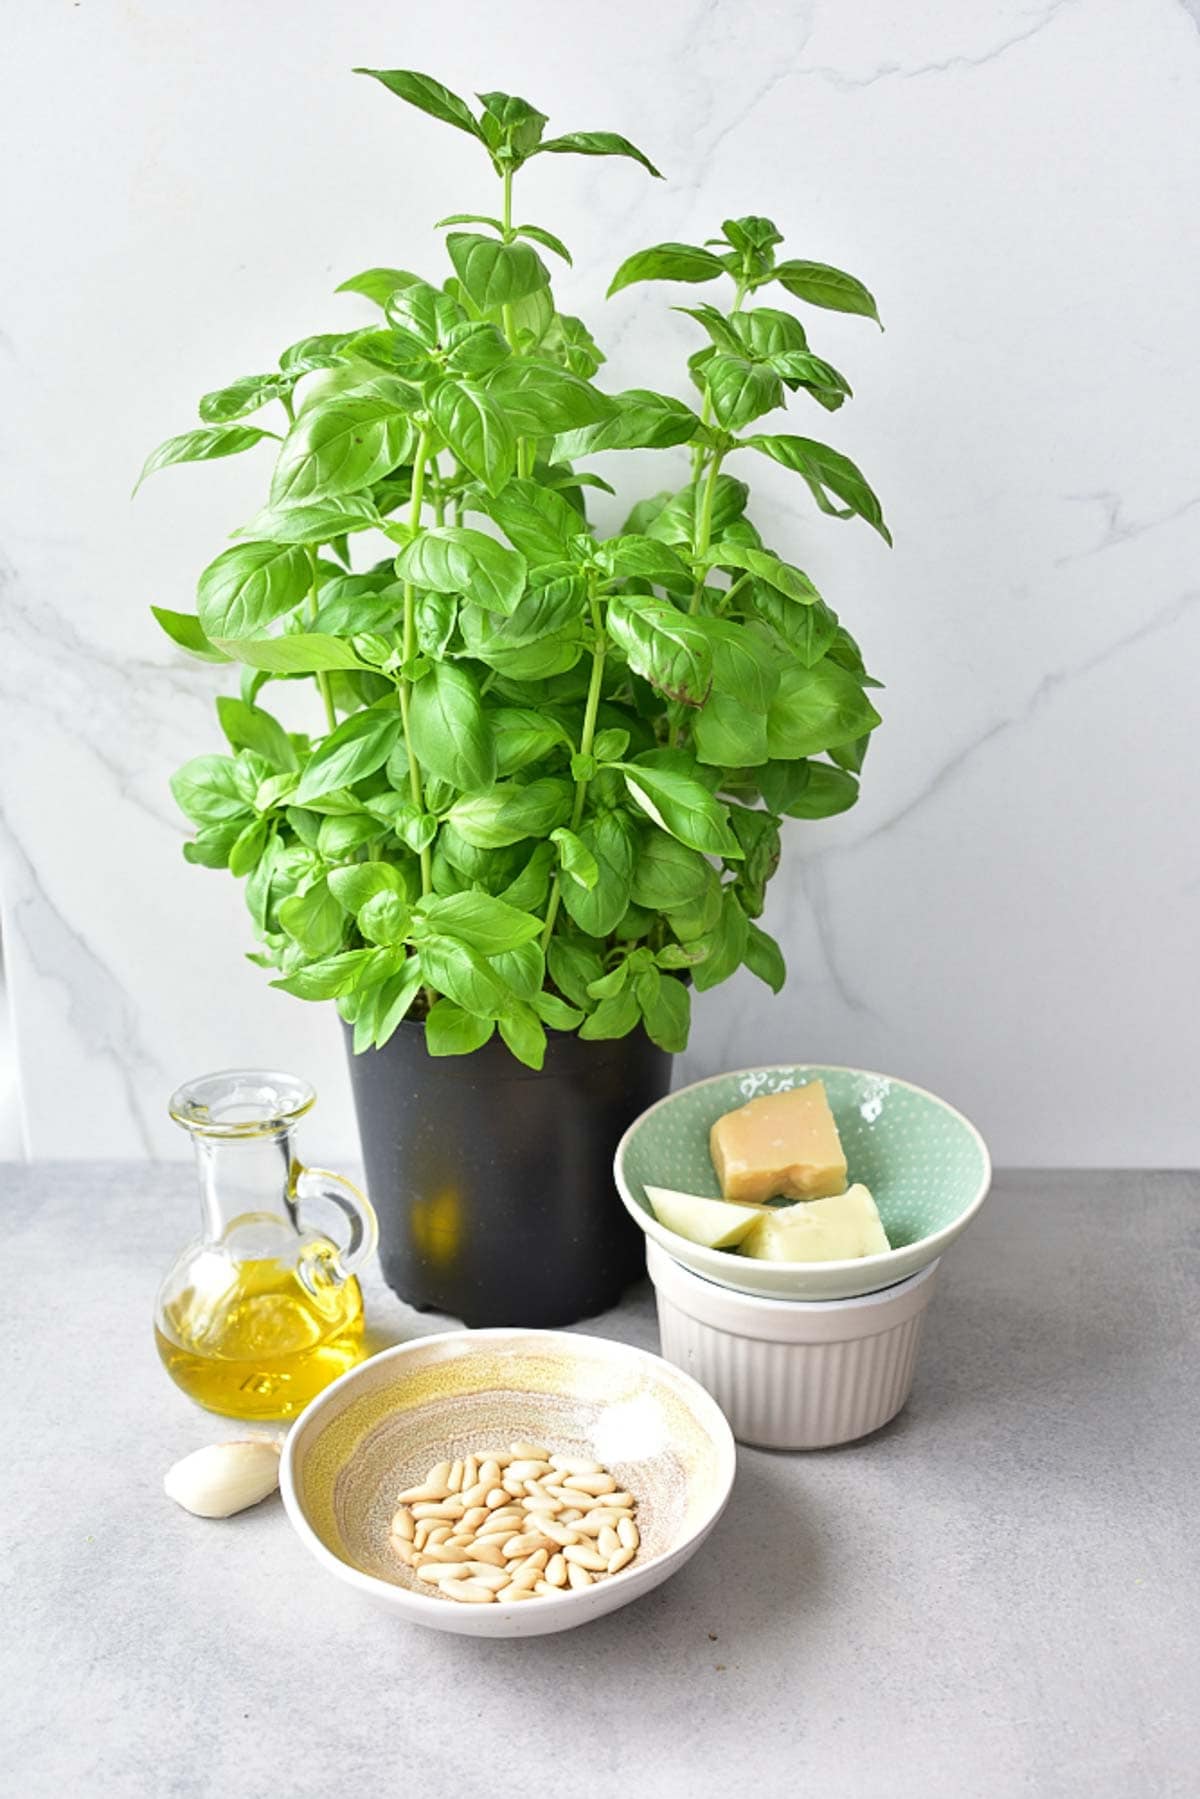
(793, 1374)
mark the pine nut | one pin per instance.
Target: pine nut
(403, 1524)
(574, 1464)
(486, 1549)
(524, 1577)
(454, 1478)
(620, 1560)
(578, 1577)
(514, 1488)
(500, 1523)
(445, 1508)
(496, 1497)
(489, 1474)
(529, 1452)
(610, 1543)
(556, 1571)
(438, 1572)
(545, 1591)
(438, 1533)
(623, 1501)
(491, 1578)
(469, 1591)
(406, 1551)
(587, 1526)
(470, 1473)
(531, 1468)
(564, 1494)
(471, 1520)
(537, 1560)
(557, 1531)
(545, 1508)
(526, 1545)
(629, 1534)
(570, 1516)
(507, 1593)
(442, 1552)
(590, 1483)
(475, 1496)
(577, 1556)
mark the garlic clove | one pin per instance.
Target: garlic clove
(224, 1478)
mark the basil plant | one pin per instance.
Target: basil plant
(547, 783)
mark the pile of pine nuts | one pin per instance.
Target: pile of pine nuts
(517, 1524)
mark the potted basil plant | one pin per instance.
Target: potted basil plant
(537, 799)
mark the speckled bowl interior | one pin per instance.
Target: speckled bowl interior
(380, 1428)
(926, 1165)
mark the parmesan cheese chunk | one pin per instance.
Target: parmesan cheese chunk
(840, 1229)
(780, 1146)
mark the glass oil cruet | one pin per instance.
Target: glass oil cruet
(261, 1310)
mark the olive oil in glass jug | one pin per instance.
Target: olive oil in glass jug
(262, 1310)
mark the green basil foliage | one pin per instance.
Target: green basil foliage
(544, 785)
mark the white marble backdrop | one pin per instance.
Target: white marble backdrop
(1009, 915)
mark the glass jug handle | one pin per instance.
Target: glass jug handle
(321, 1183)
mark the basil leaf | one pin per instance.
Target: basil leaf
(547, 240)
(644, 420)
(827, 792)
(185, 629)
(395, 998)
(816, 708)
(202, 446)
(725, 944)
(456, 559)
(248, 848)
(573, 966)
(340, 835)
(608, 839)
(449, 730)
(667, 262)
(344, 443)
(463, 976)
(494, 274)
(810, 630)
(522, 1030)
(764, 331)
(668, 1015)
(555, 1012)
(352, 887)
(523, 735)
(597, 143)
(330, 977)
(247, 587)
(764, 958)
(299, 653)
(823, 286)
(528, 889)
(428, 95)
(612, 1018)
(449, 1031)
(510, 812)
(681, 805)
(826, 471)
(632, 555)
(522, 969)
(207, 790)
(384, 919)
(250, 728)
(314, 919)
(315, 524)
(361, 744)
(765, 566)
(376, 284)
(536, 520)
(741, 390)
(543, 399)
(745, 666)
(486, 924)
(663, 645)
(241, 397)
(477, 431)
(728, 734)
(675, 522)
(576, 859)
(758, 834)
(322, 351)
(570, 342)
(667, 874)
(552, 605)
(475, 349)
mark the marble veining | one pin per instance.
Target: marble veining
(1005, 916)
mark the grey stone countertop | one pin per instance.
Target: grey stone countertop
(995, 1595)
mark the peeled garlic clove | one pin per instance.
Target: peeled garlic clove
(224, 1478)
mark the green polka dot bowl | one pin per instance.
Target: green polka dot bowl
(926, 1166)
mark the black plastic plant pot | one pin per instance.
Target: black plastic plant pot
(493, 1184)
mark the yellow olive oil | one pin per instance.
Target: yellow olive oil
(260, 1338)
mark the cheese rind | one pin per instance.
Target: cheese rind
(839, 1229)
(779, 1146)
(712, 1222)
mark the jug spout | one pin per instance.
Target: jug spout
(241, 1123)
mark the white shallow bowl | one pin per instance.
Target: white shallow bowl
(926, 1165)
(793, 1374)
(381, 1427)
